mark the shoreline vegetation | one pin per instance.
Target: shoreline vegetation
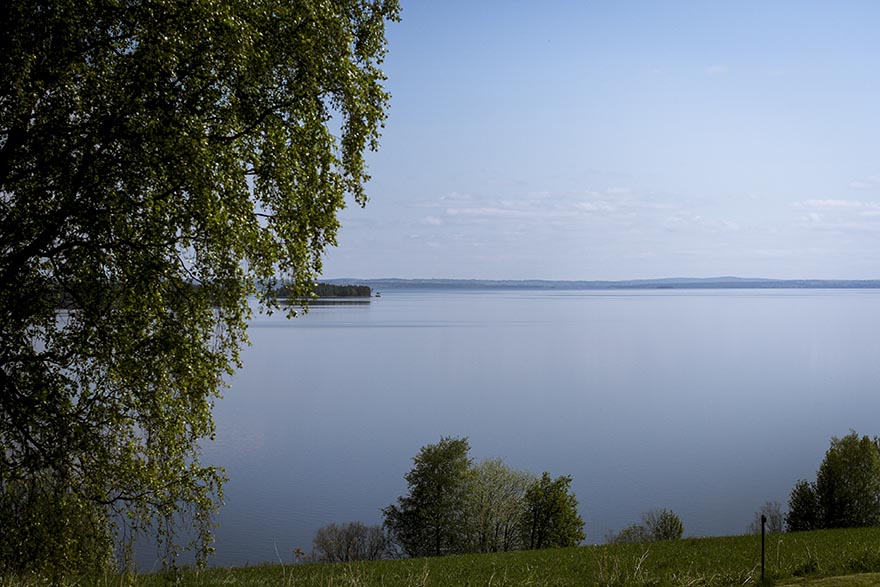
(727, 282)
(797, 558)
(329, 290)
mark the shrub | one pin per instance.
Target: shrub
(352, 541)
(656, 525)
(773, 513)
(631, 534)
(663, 525)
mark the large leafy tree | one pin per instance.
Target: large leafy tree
(846, 492)
(160, 162)
(431, 519)
(848, 483)
(454, 506)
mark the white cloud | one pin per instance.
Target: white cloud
(867, 183)
(456, 197)
(837, 204)
(599, 206)
(432, 221)
(841, 216)
(691, 222)
(716, 69)
(486, 212)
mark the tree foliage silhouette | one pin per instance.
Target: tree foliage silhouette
(160, 162)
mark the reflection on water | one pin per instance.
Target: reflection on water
(705, 402)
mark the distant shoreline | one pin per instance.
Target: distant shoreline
(387, 284)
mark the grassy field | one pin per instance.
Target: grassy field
(801, 558)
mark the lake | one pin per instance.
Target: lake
(706, 402)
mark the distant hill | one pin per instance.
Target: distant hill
(726, 282)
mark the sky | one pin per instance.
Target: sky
(624, 140)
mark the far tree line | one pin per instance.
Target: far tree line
(329, 290)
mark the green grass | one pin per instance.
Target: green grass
(791, 559)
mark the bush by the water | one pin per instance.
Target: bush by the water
(656, 525)
(352, 541)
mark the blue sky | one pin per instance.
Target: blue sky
(620, 140)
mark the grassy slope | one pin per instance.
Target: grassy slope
(708, 561)
(798, 559)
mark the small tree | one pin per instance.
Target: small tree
(773, 512)
(352, 541)
(430, 520)
(662, 525)
(803, 508)
(551, 518)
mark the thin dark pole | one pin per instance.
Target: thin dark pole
(763, 521)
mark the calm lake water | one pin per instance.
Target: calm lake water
(705, 402)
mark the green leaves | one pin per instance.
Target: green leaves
(161, 161)
(455, 507)
(552, 518)
(846, 493)
(662, 524)
(496, 506)
(803, 508)
(429, 521)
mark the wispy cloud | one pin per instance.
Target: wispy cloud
(688, 221)
(715, 69)
(599, 214)
(540, 206)
(840, 215)
(867, 183)
(838, 204)
(598, 206)
(488, 212)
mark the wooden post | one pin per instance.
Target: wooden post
(763, 521)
